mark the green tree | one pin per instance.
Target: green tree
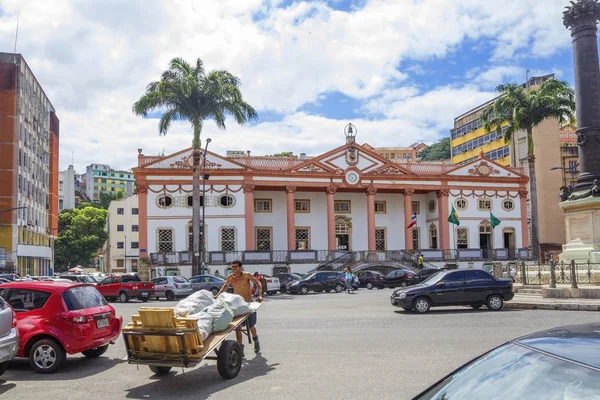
(81, 233)
(522, 109)
(186, 92)
(283, 154)
(437, 151)
(107, 197)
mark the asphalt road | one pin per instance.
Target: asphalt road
(336, 346)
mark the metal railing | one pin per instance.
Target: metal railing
(563, 272)
(330, 256)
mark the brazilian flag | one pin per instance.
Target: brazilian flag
(493, 220)
(453, 218)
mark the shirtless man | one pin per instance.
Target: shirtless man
(240, 281)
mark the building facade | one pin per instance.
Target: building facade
(66, 189)
(29, 138)
(100, 178)
(274, 210)
(121, 253)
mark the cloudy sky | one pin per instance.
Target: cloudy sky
(400, 70)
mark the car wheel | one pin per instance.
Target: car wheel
(143, 299)
(271, 293)
(328, 291)
(404, 284)
(369, 285)
(95, 353)
(476, 306)
(159, 370)
(229, 359)
(46, 356)
(157, 298)
(3, 367)
(304, 290)
(214, 291)
(338, 288)
(170, 295)
(494, 302)
(123, 297)
(421, 305)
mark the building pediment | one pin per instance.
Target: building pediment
(184, 160)
(483, 167)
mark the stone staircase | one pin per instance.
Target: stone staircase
(529, 290)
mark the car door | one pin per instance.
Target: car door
(476, 286)
(450, 290)
(109, 286)
(318, 282)
(160, 286)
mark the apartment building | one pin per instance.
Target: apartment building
(100, 178)
(122, 246)
(66, 189)
(29, 138)
(400, 154)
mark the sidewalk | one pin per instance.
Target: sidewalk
(532, 302)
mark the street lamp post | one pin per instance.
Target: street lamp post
(204, 178)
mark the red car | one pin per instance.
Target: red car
(56, 318)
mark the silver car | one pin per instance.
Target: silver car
(9, 336)
(207, 282)
(172, 287)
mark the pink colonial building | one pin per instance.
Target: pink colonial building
(288, 213)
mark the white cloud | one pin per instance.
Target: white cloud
(94, 59)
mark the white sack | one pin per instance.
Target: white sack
(194, 303)
(236, 302)
(205, 323)
(222, 315)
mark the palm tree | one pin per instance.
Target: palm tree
(186, 92)
(519, 109)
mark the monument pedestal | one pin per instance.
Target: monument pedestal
(582, 229)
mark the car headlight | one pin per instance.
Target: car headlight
(400, 295)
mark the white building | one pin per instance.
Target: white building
(66, 189)
(122, 250)
(278, 211)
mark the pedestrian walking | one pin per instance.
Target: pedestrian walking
(420, 261)
(348, 276)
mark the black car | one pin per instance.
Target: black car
(323, 281)
(559, 363)
(455, 288)
(401, 277)
(370, 279)
(285, 278)
(425, 273)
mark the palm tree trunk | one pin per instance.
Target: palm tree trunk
(196, 203)
(533, 200)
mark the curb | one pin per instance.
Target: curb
(515, 305)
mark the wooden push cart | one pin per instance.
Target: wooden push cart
(162, 341)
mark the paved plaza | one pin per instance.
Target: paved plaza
(336, 346)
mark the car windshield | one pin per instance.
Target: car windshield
(516, 372)
(89, 279)
(307, 277)
(433, 279)
(81, 297)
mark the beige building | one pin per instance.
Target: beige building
(400, 154)
(122, 246)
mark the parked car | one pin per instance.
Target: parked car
(425, 273)
(273, 284)
(455, 288)
(401, 277)
(79, 278)
(559, 363)
(55, 318)
(123, 287)
(9, 335)
(172, 287)
(285, 278)
(370, 279)
(323, 281)
(207, 282)
(355, 281)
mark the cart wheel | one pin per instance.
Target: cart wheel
(229, 360)
(158, 370)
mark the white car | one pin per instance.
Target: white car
(273, 285)
(172, 287)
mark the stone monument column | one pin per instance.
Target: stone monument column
(581, 17)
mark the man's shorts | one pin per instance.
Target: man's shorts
(251, 321)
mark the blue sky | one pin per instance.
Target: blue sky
(400, 70)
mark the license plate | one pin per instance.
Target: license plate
(144, 294)
(102, 323)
